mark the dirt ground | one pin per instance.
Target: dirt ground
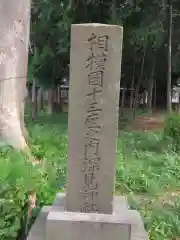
(151, 122)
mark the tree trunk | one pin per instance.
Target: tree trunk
(150, 88)
(145, 99)
(139, 84)
(14, 39)
(169, 105)
(50, 102)
(59, 103)
(34, 101)
(154, 102)
(122, 100)
(179, 103)
(132, 86)
(42, 99)
(45, 99)
(39, 100)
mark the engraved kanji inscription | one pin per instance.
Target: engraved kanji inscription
(96, 78)
(97, 56)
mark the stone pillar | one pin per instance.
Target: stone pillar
(95, 69)
(89, 210)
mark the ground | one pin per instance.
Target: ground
(147, 172)
(144, 121)
(148, 123)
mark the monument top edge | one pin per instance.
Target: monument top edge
(96, 25)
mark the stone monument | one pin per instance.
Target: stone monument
(90, 210)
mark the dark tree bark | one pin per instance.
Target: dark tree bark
(155, 92)
(139, 84)
(169, 105)
(122, 100)
(50, 102)
(34, 101)
(132, 86)
(150, 87)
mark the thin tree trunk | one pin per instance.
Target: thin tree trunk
(45, 98)
(179, 103)
(58, 94)
(42, 99)
(132, 86)
(145, 98)
(139, 84)
(154, 102)
(122, 100)
(59, 102)
(14, 39)
(50, 102)
(150, 88)
(169, 105)
(34, 101)
(39, 100)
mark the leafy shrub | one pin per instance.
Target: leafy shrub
(172, 129)
(19, 177)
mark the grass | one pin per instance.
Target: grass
(147, 171)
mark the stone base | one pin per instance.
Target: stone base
(54, 223)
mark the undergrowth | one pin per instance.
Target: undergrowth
(147, 172)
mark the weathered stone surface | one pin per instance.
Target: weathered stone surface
(38, 231)
(93, 113)
(39, 228)
(75, 226)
